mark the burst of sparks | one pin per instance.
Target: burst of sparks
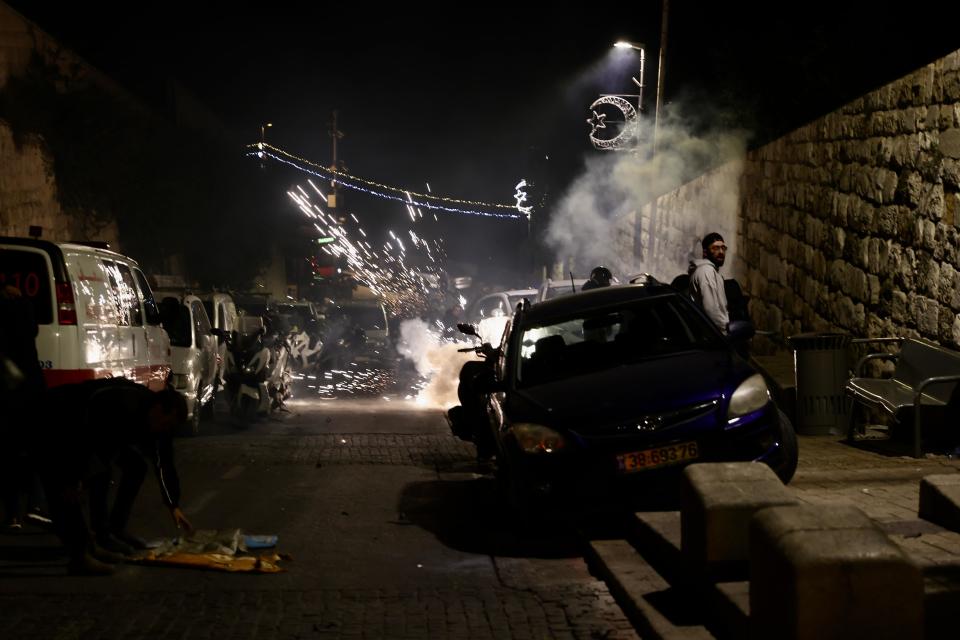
(405, 291)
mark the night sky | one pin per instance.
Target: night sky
(466, 103)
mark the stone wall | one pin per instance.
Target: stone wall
(28, 184)
(848, 223)
(28, 192)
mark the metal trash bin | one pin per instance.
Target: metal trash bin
(821, 364)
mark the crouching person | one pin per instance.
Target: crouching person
(95, 428)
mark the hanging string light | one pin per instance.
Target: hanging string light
(409, 198)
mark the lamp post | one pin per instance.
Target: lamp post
(263, 132)
(623, 44)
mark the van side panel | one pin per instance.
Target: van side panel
(104, 345)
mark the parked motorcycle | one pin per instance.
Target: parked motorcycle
(279, 380)
(468, 420)
(247, 368)
(302, 354)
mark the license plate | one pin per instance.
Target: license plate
(657, 457)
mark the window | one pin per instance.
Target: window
(27, 271)
(176, 322)
(201, 323)
(149, 302)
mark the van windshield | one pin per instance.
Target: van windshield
(27, 271)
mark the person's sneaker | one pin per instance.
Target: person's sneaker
(38, 517)
(103, 555)
(87, 565)
(110, 542)
(135, 542)
(13, 524)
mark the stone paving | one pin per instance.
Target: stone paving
(574, 612)
(884, 485)
(394, 449)
(529, 598)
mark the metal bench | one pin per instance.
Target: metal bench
(926, 374)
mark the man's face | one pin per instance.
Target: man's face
(716, 253)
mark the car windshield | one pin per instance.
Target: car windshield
(600, 339)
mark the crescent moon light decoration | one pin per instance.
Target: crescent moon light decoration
(597, 121)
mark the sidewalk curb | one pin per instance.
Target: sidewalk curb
(636, 586)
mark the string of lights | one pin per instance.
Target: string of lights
(411, 198)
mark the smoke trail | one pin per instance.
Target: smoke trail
(436, 360)
(606, 198)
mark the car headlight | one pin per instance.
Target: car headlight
(751, 395)
(536, 438)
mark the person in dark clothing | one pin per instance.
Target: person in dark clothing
(21, 394)
(599, 277)
(121, 424)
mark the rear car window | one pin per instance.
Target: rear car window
(27, 271)
(175, 319)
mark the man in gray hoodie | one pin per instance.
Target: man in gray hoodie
(706, 283)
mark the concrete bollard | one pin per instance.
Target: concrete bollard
(823, 572)
(717, 501)
(940, 500)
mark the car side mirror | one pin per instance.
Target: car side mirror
(740, 330)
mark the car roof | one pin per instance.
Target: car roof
(595, 299)
(513, 292)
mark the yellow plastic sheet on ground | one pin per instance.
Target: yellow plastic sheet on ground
(213, 549)
(267, 563)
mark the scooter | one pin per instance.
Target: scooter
(247, 368)
(302, 355)
(279, 380)
(468, 420)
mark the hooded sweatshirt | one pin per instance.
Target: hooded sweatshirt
(706, 288)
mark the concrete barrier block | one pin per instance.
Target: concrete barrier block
(717, 502)
(822, 572)
(940, 500)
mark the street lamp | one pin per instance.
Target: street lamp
(263, 130)
(623, 44)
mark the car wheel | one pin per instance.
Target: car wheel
(784, 463)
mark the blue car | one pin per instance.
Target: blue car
(621, 385)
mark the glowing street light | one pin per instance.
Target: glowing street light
(623, 44)
(263, 130)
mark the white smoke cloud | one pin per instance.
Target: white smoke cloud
(436, 360)
(584, 227)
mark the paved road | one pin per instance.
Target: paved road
(392, 532)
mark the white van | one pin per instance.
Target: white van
(193, 352)
(222, 312)
(96, 313)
